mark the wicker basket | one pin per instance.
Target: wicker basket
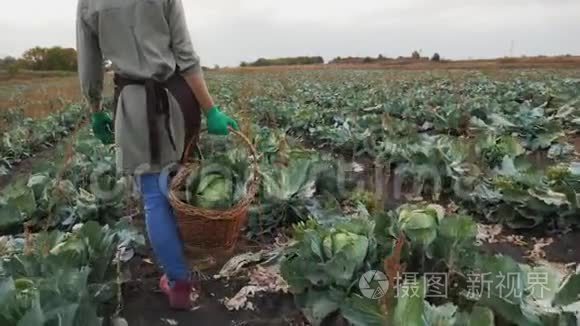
(208, 229)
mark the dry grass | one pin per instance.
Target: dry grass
(40, 95)
(27, 75)
(40, 98)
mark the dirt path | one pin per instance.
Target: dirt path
(148, 307)
(145, 305)
(49, 155)
(26, 166)
(532, 247)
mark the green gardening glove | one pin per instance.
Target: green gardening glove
(218, 122)
(103, 127)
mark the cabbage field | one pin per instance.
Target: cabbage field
(386, 198)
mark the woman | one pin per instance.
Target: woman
(159, 90)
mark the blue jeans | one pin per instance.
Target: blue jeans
(162, 227)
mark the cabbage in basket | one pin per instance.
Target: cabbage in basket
(220, 183)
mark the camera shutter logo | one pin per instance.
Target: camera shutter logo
(373, 284)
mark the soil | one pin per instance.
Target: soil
(576, 141)
(145, 305)
(26, 166)
(150, 308)
(563, 250)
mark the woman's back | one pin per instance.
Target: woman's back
(142, 38)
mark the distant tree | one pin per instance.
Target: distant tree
(416, 55)
(61, 59)
(436, 57)
(55, 58)
(243, 64)
(216, 67)
(7, 61)
(367, 60)
(380, 57)
(13, 69)
(336, 60)
(35, 58)
(260, 62)
(11, 65)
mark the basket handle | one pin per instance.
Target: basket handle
(239, 134)
(188, 148)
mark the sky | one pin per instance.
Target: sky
(226, 32)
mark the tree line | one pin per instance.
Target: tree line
(415, 56)
(65, 59)
(290, 61)
(41, 58)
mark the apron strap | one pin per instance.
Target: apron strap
(190, 108)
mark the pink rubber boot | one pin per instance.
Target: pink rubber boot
(179, 294)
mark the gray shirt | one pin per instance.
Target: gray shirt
(142, 38)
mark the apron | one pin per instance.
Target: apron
(153, 136)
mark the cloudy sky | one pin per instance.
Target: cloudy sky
(226, 32)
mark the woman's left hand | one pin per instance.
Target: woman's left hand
(218, 123)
